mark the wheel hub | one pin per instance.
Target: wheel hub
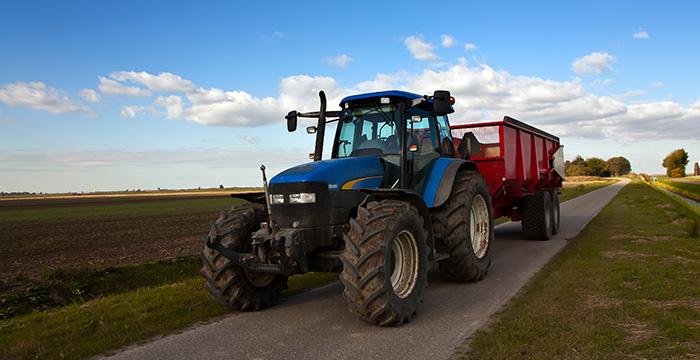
(479, 228)
(404, 269)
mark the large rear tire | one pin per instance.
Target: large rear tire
(536, 216)
(464, 228)
(385, 262)
(231, 286)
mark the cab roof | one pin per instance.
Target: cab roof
(389, 93)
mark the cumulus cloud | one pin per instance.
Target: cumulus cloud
(447, 41)
(482, 93)
(113, 87)
(470, 47)
(593, 63)
(420, 49)
(37, 95)
(340, 61)
(657, 84)
(173, 106)
(641, 35)
(90, 95)
(163, 82)
(130, 111)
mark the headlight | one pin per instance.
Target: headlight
(276, 199)
(302, 198)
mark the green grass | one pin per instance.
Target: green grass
(56, 288)
(117, 209)
(626, 287)
(107, 323)
(570, 191)
(688, 189)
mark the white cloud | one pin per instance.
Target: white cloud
(657, 84)
(172, 105)
(447, 41)
(420, 49)
(629, 94)
(340, 61)
(163, 82)
(251, 139)
(37, 95)
(593, 63)
(113, 87)
(602, 82)
(130, 111)
(90, 95)
(641, 35)
(470, 47)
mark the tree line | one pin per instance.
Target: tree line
(593, 166)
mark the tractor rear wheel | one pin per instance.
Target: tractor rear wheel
(232, 286)
(536, 216)
(464, 227)
(385, 262)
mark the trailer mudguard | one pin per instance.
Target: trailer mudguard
(442, 176)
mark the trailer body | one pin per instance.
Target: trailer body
(514, 158)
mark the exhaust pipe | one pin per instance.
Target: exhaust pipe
(321, 127)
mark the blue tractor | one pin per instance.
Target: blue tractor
(394, 195)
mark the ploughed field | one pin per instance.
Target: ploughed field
(39, 235)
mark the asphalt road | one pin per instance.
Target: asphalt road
(317, 324)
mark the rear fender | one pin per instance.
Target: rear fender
(409, 197)
(442, 179)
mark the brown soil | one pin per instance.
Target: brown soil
(31, 247)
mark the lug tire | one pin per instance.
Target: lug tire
(230, 285)
(451, 225)
(556, 212)
(367, 262)
(536, 216)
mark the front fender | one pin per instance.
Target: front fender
(442, 176)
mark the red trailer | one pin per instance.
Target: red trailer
(523, 168)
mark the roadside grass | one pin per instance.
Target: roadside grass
(627, 287)
(571, 190)
(22, 295)
(79, 331)
(690, 190)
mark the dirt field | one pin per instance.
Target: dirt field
(43, 234)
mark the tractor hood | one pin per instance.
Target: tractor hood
(345, 173)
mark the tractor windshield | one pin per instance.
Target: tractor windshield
(367, 131)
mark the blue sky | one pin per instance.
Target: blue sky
(108, 96)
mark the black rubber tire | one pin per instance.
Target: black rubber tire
(556, 212)
(230, 285)
(451, 229)
(536, 216)
(367, 262)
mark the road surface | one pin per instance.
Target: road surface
(317, 324)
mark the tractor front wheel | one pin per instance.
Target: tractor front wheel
(385, 262)
(232, 286)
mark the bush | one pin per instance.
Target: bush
(676, 173)
(675, 163)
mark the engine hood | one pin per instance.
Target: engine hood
(346, 173)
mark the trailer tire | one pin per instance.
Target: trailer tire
(230, 285)
(556, 212)
(378, 288)
(464, 227)
(536, 216)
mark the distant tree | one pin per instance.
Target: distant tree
(221, 187)
(619, 166)
(597, 167)
(675, 163)
(696, 169)
(579, 161)
(577, 167)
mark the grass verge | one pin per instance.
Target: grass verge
(627, 286)
(79, 331)
(687, 189)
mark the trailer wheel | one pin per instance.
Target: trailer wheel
(536, 216)
(556, 213)
(233, 287)
(464, 226)
(385, 262)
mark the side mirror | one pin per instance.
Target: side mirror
(291, 121)
(441, 102)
